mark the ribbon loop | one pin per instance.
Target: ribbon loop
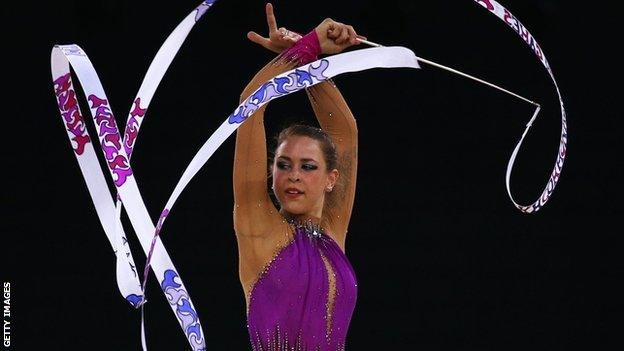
(117, 150)
(118, 161)
(507, 17)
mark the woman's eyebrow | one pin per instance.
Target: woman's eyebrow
(286, 158)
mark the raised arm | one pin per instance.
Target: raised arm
(336, 119)
(252, 204)
(254, 212)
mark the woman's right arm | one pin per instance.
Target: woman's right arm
(254, 212)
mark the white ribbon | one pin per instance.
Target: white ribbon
(118, 157)
(513, 22)
(504, 14)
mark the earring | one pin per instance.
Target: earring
(329, 189)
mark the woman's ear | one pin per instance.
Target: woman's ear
(331, 180)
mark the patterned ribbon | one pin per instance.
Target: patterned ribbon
(118, 157)
(504, 14)
(118, 160)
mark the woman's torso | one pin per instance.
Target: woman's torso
(304, 296)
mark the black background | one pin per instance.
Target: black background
(444, 260)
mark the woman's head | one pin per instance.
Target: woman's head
(304, 169)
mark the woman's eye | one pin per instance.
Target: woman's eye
(309, 167)
(283, 165)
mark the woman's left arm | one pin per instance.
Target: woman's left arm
(336, 119)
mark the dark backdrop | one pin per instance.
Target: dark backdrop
(443, 259)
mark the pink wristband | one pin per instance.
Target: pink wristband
(305, 50)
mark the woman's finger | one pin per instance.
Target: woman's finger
(284, 33)
(334, 33)
(344, 36)
(334, 30)
(258, 39)
(271, 18)
(352, 35)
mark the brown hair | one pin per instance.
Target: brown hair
(327, 145)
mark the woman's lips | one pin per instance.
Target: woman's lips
(293, 193)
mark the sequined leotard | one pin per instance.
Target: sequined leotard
(305, 298)
(301, 289)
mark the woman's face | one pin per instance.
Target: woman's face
(300, 176)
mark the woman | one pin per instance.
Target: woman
(300, 288)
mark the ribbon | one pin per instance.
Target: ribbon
(118, 157)
(504, 14)
(118, 160)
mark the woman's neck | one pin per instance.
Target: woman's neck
(302, 219)
(310, 225)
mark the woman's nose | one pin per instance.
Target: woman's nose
(294, 175)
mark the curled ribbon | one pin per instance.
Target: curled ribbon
(117, 151)
(513, 22)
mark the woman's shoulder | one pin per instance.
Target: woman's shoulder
(259, 224)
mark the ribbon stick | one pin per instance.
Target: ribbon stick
(452, 70)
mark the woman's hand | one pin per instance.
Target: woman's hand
(279, 39)
(335, 36)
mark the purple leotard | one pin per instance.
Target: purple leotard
(305, 298)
